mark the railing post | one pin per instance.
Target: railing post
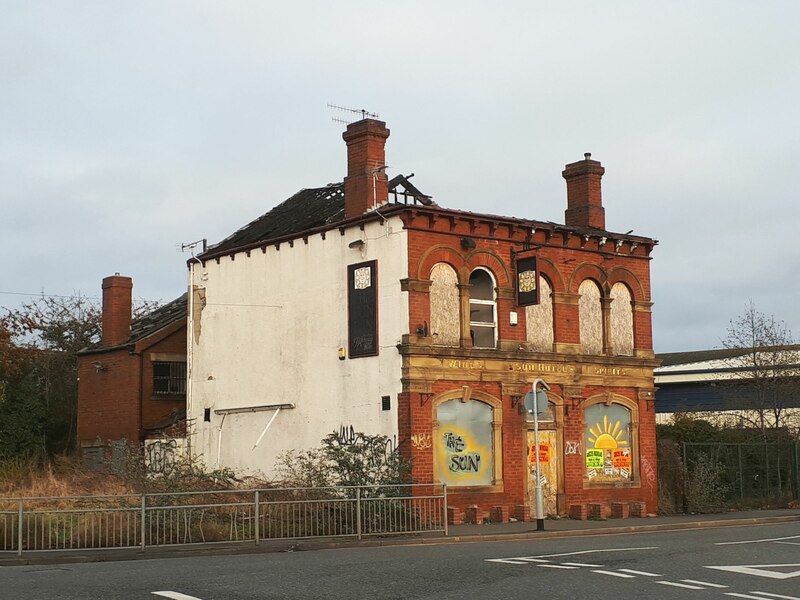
(257, 516)
(142, 531)
(444, 509)
(19, 528)
(358, 512)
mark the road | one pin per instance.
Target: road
(754, 562)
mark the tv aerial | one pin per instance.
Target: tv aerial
(362, 112)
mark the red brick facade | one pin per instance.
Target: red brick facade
(116, 399)
(566, 258)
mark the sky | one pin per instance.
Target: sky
(130, 128)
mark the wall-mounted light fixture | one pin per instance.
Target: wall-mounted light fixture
(98, 366)
(356, 244)
(467, 243)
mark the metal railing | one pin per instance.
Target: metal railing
(142, 520)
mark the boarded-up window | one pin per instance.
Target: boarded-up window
(621, 320)
(607, 438)
(539, 320)
(591, 316)
(445, 322)
(362, 309)
(464, 448)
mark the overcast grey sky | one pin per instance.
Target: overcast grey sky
(127, 128)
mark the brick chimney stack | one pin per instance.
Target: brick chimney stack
(117, 309)
(584, 198)
(366, 184)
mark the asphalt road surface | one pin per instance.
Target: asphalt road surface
(754, 562)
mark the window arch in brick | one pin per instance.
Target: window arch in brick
(591, 317)
(621, 320)
(445, 322)
(539, 320)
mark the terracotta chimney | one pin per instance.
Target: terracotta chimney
(366, 184)
(117, 309)
(584, 198)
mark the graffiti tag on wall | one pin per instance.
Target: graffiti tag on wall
(422, 440)
(573, 448)
(160, 456)
(648, 472)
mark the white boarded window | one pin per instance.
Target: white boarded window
(445, 322)
(591, 317)
(621, 320)
(539, 320)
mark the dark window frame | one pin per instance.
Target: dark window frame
(169, 378)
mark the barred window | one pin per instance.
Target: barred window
(169, 377)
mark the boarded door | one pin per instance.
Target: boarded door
(549, 460)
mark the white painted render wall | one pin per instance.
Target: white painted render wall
(271, 330)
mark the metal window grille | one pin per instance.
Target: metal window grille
(169, 377)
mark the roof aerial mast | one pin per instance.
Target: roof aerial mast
(356, 111)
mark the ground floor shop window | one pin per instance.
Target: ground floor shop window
(464, 442)
(609, 442)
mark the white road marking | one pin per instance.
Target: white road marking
(593, 551)
(789, 543)
(642, 573)
(573, 564)
(776, 595)
(508, 561)
(706, 583)
(735, 595)
(761, 570)
(792, 537)
(681, 585)
(557, 566)
(614, 574)
(531, 559)
(175, 595)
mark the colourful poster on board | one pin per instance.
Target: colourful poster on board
(621, 458)
(544, 454)
(594, 458)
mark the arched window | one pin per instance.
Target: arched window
(539, 320)
(445, 323)
(482, 309)
(609, 442)
(464, 443)
(591, 318)
(621, 320)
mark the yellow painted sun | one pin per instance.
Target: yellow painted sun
(607, 435)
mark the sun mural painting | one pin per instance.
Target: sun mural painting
(608, 446)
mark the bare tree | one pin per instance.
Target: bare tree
(761, 375)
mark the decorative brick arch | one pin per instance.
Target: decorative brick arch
(493, 263)
(589, 271)
(439, 253)
(624, 275)
(548, 269)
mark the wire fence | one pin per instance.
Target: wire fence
(143, 520)
(749, 474)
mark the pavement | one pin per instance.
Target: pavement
(466, 533)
